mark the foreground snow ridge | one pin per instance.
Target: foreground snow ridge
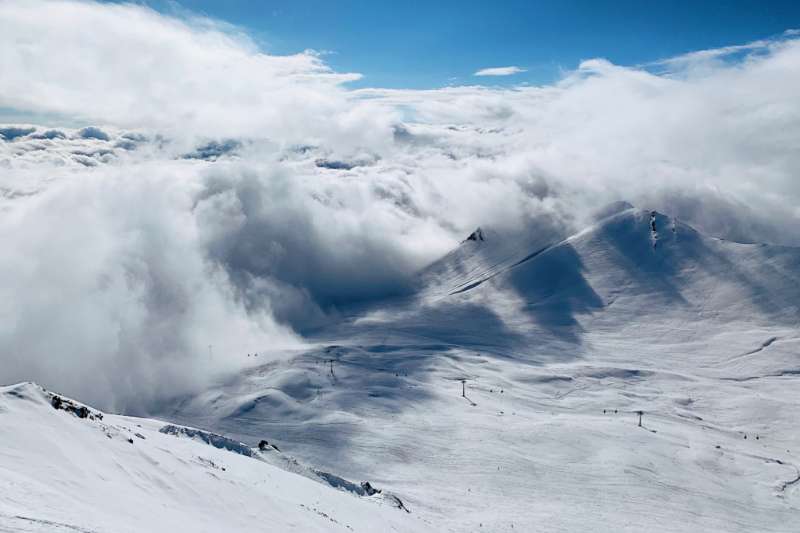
(67, 467)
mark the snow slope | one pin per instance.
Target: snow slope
(560, 345)
(484, 254)
(105, 473)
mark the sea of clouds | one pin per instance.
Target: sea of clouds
(173, 198)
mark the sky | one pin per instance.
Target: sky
(418, 44)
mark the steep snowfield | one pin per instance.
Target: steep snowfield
(106, 473)
(484, 254)
(560, 344)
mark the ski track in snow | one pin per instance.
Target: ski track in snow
(26, 523)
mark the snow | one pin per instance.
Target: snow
(484, 254)
(59, 472)
(560, 343)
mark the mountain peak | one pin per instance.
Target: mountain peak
(612, 209)
(476, 235)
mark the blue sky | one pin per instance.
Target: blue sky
(419, 44)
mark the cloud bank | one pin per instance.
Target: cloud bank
(192, 190)
(499, 71)
(127, 65)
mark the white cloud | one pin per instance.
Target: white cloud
(127, 65)
(108, 293)
(499, 71)
(133, 265)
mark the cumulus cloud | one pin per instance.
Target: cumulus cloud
(702, 128)
(499, 71)
(212, 194)
(107, 292)
(11, 133)
(127, 65)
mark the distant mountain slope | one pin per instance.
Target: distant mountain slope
(633, 267)
(487, 252)
(504, 395)
(632, 249)
(646, 254)
(484, 254)
(71, 468)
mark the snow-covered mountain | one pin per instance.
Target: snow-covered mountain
(67, 467)
(635, 376)
(245, 290)
(560, 344)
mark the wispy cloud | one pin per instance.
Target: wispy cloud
(499, 71)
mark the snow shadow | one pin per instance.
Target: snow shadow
(645, 260)
(680, 257)
(555, 291)
(319, 400)
(360, 371)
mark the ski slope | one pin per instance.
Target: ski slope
(504, 395)
(61, 472)
(559, 346)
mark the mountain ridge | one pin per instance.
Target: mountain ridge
(68, 467)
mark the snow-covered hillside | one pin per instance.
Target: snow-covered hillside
(504, 395)
(559, 347)
(66, 467)
(330, 281)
